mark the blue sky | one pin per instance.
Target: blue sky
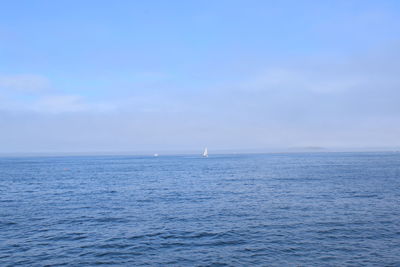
(134, 76)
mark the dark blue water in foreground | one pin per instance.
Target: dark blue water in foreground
(322, 209)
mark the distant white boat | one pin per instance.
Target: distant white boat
(156, 155)
(205, 153)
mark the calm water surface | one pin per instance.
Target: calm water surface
(321, 209)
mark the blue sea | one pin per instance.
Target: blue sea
(311, 209)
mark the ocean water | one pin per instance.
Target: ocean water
(317, 209)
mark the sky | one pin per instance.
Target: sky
(171, 76)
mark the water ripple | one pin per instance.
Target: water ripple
(328, 209)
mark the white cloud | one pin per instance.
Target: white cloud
(66, 104)
(34, 93)
(59, 103)
(24, 83)
(378, 71)
(312, 79)
(325, 103)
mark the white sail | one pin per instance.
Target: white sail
(205, 153)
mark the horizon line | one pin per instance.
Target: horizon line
(198, 152)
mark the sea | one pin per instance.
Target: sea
(293, 209)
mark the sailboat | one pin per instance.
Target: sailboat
(205, 153)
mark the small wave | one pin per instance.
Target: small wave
(7, 223)
(6, 200)
(111, 220)
(116, 254)
(144, 236)
(68, 237)
(113, 246)
(365, 196)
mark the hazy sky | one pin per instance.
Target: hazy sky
(101, 76)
